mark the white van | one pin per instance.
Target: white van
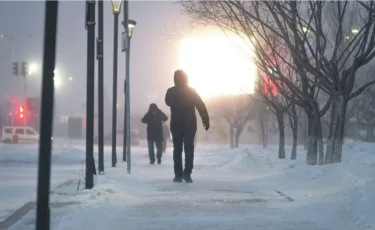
(26, 134)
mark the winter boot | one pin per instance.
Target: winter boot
(159, 161)
(177, 179)
(187, 178)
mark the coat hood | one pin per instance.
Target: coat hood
(153, 107)
(180, 78)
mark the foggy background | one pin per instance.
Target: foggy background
(154, 55)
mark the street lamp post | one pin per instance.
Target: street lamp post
(116, 11)
(100, 88)
(90, 26)
(129, 26)
(124, 40)
(45, 145)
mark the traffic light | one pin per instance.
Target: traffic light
(15, 68)
(25, 69)
(30, 104)
(21, 113)
(269, 87)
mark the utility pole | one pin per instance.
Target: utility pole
(127, 90)
(116, 11)
(100, 87)
(90, 27)
(114, 91)
(44, 165)
(129, 27)
(25, 72)
(125, 24)
(124, 141)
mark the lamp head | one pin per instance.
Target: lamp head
(116, 9)
(131, 26)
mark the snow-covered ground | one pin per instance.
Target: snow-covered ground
(18, 173)
(247, 188)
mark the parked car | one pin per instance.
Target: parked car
(134, 139)
(23, 135)
(19, 135)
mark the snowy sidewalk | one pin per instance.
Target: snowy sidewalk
(241, 189)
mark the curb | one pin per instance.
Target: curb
(288, 198)
(21, 212)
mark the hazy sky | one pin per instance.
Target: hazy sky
(154, 52)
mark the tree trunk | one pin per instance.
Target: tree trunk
(265, 134)
(312, 154)
(263, 129)
(293, 156)
(280, 121)
(306, 136)
(319, 134)
(335, 139)
(328, 157)
(304, 129)
(231, 136)
(237, 140)
(237, 133)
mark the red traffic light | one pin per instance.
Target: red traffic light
(21, 111)
(269, 87)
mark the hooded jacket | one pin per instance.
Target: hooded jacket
(183, 100)
(154, 119)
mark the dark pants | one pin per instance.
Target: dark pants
(183, 140)
(151, 151)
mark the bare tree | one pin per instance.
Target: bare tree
(268, 91)
(359, 109)
(280, 107)
(236, 111)
(365, 112)
(262, 122)
(293, 115)
(325, 51)
(269, 95)
(223, 132)
(250, 21)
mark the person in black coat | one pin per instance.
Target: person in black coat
(183, 100)
(154, 119)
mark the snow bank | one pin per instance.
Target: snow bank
(347, 188)
(30, 154)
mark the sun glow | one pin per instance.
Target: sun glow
(218, 65)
